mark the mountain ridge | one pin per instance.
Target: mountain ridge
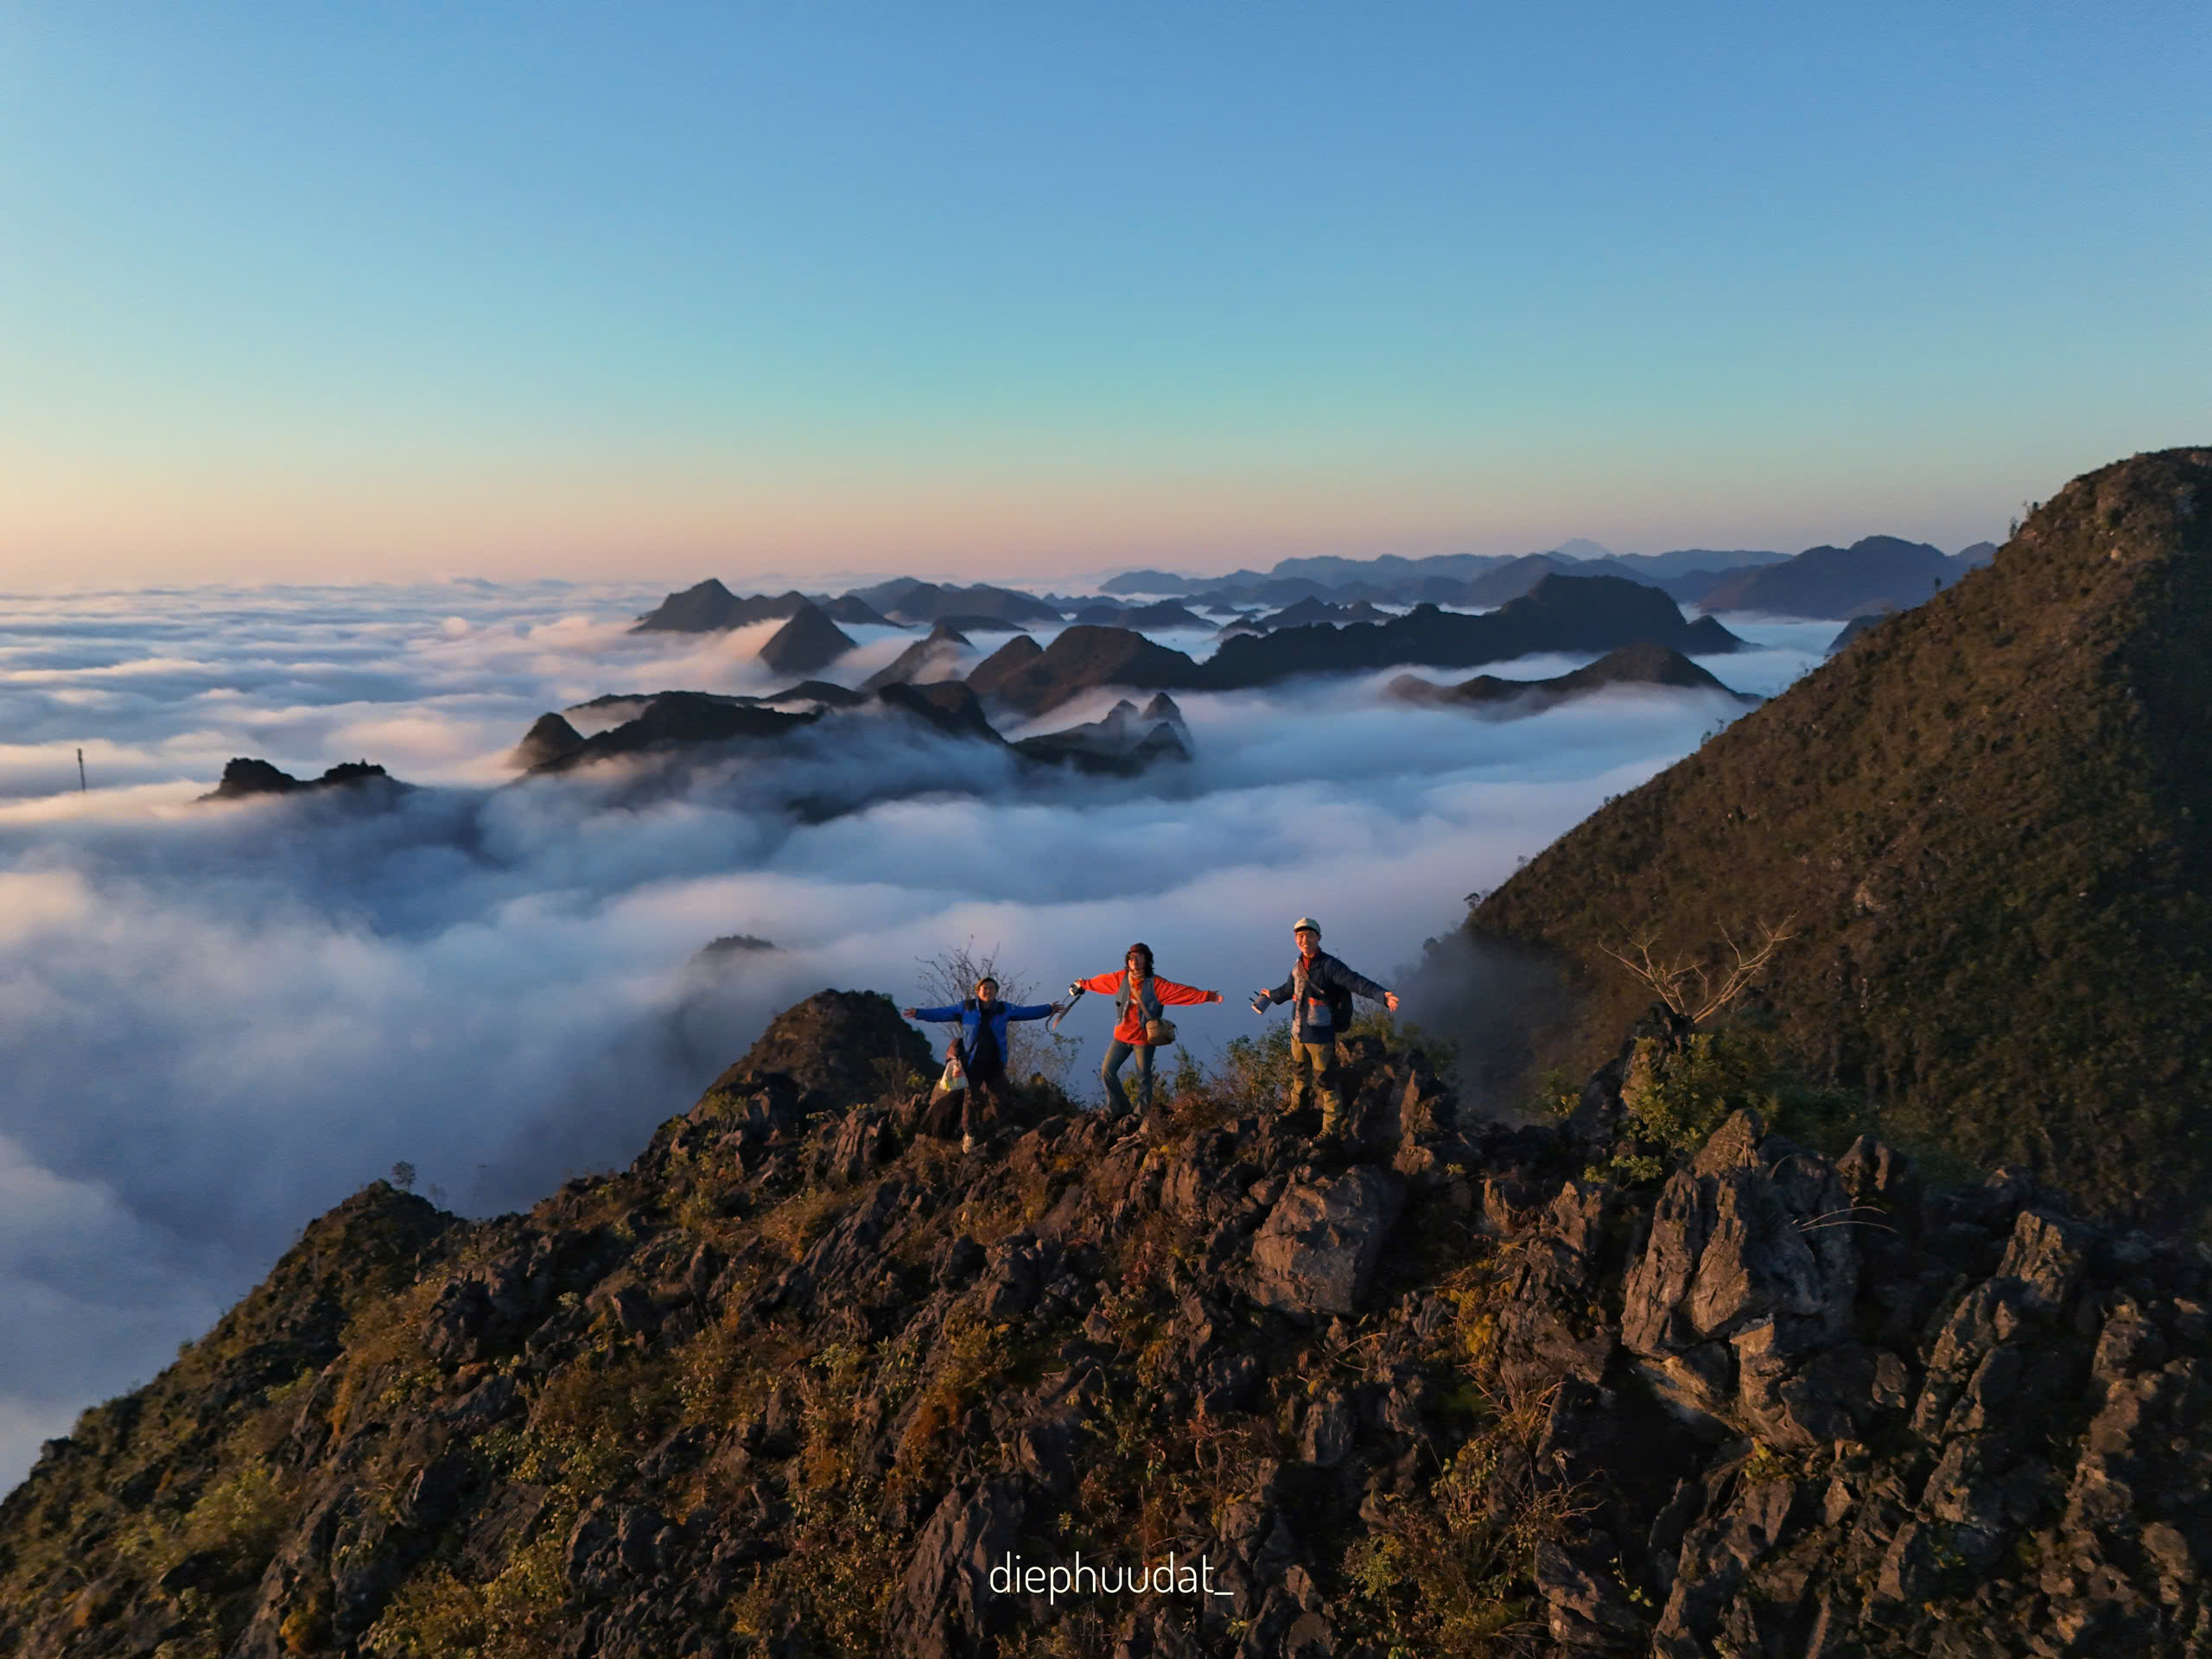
(1972, 813)
(802, 1375)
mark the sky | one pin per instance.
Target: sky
(218, 1020)
(1016, 291)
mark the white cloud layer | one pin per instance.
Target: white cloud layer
(217, 1020)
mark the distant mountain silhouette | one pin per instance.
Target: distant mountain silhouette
(674, 723)
(1560, 614)
(1877, 573)
(1656, 567)
(1157, 618)
(1125, 742)
(709, 607)
(549, 739)
(1991, 820)
(1573, 613)
(1309, 611)
(907, 600)
(853, 613)
(808, 642)
(1150, 582)
(1857, 628)
(673, 720)
(1640, 665)
(1016, 657)
(245, 778)
(934, 655)
(1023, 678)
(946, 704)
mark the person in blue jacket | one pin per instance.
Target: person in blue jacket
(984, 1021)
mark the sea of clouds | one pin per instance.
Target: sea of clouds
(218, 1020)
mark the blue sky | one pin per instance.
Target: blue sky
(583, 291)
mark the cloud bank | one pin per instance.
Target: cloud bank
(217, 1020)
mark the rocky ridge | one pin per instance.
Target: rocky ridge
(800, 1377)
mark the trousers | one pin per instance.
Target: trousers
(1117, 1104)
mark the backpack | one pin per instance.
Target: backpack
(1338, 1000)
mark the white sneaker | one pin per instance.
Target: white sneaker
(967, 1143)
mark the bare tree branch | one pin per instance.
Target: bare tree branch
(1685, 985)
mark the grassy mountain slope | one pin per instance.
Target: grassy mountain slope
(1990, 823)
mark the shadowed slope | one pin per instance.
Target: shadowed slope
(1990, 819)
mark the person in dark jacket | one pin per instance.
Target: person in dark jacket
(1139, 995)
(1319, 991)
(984, 1021)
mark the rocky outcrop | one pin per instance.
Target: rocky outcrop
(806, 1379)
(837, 1045)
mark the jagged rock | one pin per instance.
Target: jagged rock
(1317, 1248)
(700, 1406)
(1741, 1281)
(841, 1045)
(945, 1605)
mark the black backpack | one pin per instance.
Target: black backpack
(1340, 1007)
(1339, 1002)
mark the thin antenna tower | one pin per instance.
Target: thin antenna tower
(83, 788)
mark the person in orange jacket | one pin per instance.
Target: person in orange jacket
(1138, 994)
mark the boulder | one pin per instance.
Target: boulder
(1317, 1252)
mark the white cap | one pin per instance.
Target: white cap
(1303, 923)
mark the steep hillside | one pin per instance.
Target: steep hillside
(804, 1381)
(1987, 821)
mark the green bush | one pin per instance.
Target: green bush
(1675, 1098)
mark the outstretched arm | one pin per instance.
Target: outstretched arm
(1362, 986)
(937, 1014)
(1106, 984)
(1017, 1011)
(1183, 995)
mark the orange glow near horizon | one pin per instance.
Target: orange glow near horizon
(63, 524)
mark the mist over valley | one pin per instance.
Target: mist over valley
(220, 1017)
